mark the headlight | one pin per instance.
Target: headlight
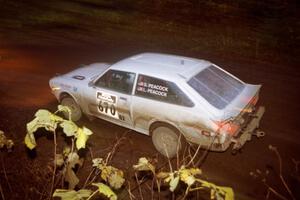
(55, 88)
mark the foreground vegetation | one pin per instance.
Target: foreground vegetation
(111, 178)
(182, 178)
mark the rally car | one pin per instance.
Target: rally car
(165, 96)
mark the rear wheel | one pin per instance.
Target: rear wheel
(167, 140)
(74, 107)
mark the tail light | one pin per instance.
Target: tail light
(205, 133)
(228, 127)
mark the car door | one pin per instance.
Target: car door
(158, 100)
(110, 97)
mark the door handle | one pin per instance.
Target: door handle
(123, 98)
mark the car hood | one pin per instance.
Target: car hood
(88, 72)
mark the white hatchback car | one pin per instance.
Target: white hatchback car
(164, 96)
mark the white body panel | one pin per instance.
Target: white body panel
(199, 123)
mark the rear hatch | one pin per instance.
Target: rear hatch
(230, 98)
(242, 109)
(243, 103)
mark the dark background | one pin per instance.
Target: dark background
(258, 41)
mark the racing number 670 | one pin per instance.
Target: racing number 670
(105, 106)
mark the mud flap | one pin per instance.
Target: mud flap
(251, 129)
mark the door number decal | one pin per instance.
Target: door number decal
(107, 104)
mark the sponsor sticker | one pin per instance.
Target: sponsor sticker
(107, 97)
(153, 89)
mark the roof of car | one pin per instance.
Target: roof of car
(162, 65)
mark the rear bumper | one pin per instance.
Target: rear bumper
(250, 130)
(244, 134)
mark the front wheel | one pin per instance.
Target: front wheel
(74, 107)
(167, 140)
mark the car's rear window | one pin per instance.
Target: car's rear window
(216, 86)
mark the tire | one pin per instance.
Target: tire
(166, 140)
(75, 109)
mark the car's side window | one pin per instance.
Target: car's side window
(119, 81)
(161, 90)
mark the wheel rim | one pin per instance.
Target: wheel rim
(165, 141)
(72, 105)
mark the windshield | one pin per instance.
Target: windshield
(216, 86)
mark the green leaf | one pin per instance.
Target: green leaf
(72, 194)
(2, 139)
(187, 175)
(87, 131)
(33, 126)
(82, 136)
(47, 120)
(59, 160)
(73, 159)
(70, 176)
(218, 192)
(43, 115)
(170, 177)
(43, 119)
(98, 162)
(5, 142)
(113, 176)
(30, 141)
(229, 194)
(222, 193)
(116, 179)
(65, 109)
(9, 144)
(106, 191)
(69, 128)
(162, 175)
(66, 151)
(144, 165)
(173, 183)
